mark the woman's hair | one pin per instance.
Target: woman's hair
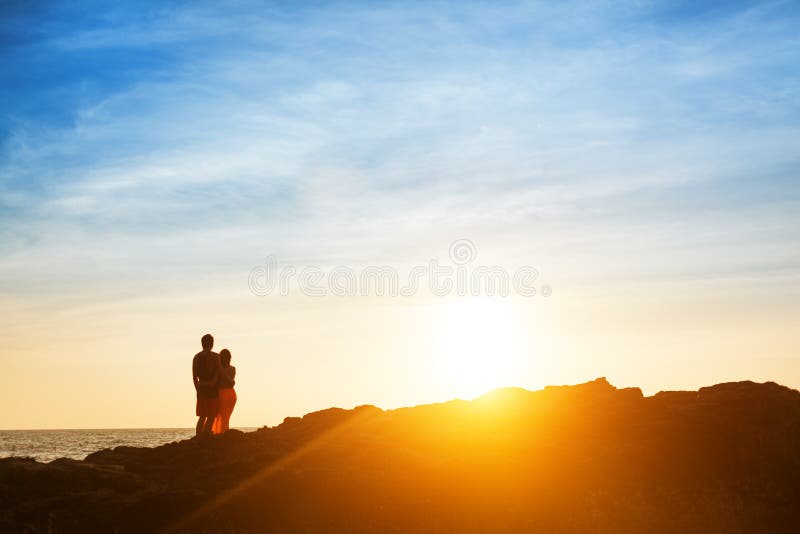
(225, 356)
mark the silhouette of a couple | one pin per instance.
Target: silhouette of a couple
(213, 377)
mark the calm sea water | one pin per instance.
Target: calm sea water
(46, 445)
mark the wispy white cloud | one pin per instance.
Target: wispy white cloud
(338, 129)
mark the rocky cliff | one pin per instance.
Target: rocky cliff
(584, 458)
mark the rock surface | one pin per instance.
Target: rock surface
(584, 458)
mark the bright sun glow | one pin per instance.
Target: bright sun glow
(479, 345)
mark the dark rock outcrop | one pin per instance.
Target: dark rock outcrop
(584, 458)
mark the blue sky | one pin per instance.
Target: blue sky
(324, 130)
(127, 120)
(644, 156)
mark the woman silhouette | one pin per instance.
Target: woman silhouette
(227, 395)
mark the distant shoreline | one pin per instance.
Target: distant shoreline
(75, 444)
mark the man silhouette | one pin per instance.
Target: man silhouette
(204, 374)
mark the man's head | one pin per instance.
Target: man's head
(207, 341)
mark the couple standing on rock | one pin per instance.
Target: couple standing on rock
(213, 378)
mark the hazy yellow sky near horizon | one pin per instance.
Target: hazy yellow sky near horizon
(127, 364)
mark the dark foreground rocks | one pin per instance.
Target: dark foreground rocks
(585, 458)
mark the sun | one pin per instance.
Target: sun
(478, 345)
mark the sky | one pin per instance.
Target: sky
(643, 157)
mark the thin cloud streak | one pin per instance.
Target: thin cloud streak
(340, 126)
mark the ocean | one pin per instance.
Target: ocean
(47, 445)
